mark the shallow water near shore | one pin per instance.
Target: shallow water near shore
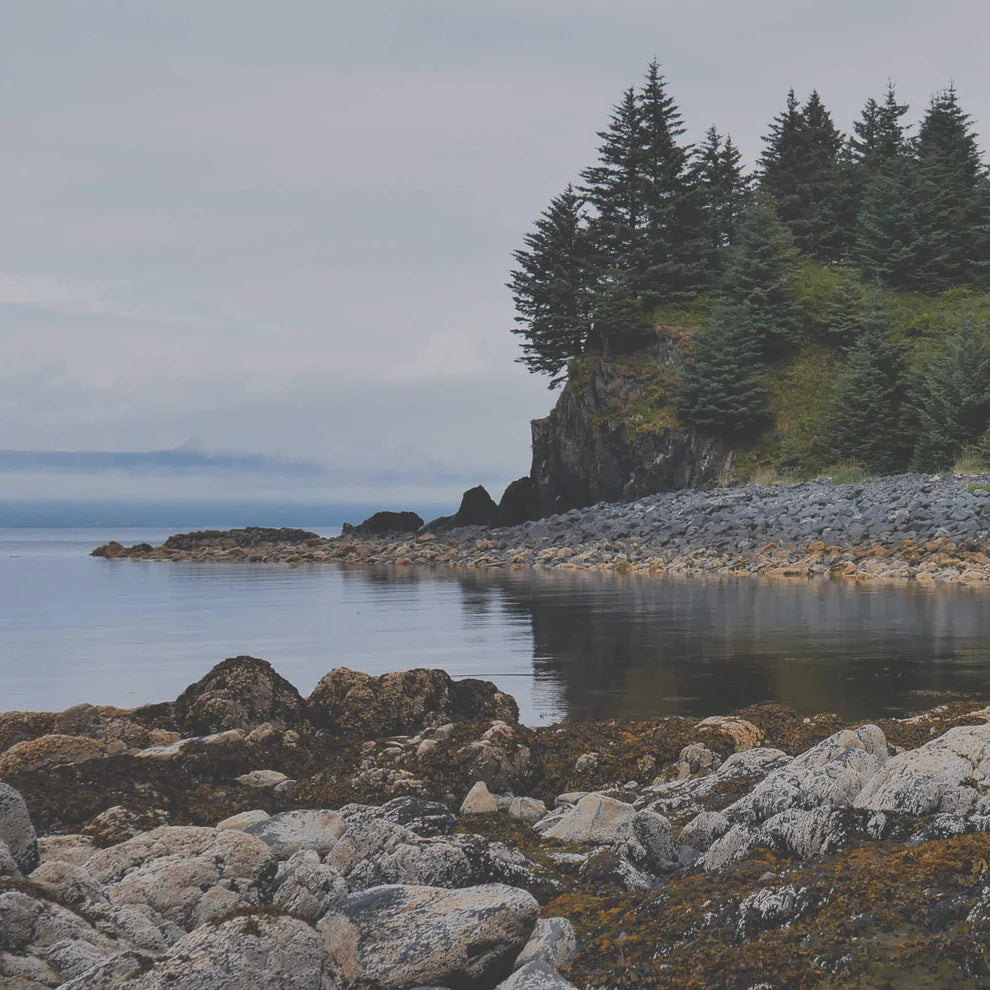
(578, 645)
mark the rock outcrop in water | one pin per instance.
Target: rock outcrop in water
(757, 849)
(594, 447)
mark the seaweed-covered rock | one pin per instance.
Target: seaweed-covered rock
(48, 751)
(238, 693)
(358, 706)
(404, 936)
(16, 831)
(942, 776)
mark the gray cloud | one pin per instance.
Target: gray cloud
(285, 228)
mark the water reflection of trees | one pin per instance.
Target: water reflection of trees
(639, 647)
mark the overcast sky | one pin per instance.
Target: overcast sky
(284, 226)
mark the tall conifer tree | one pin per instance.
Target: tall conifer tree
(614, 187)
(722, 189)
(552, 288)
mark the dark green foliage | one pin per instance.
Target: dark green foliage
(722, 390)
(675, 261)
(619, 321)
(757, 285)
(615, 189)
(957, 221)
(953, 398)
(864, 424)
(881, 138)
(847, 314)
(722, 190)
(804, 171)
(552, 288)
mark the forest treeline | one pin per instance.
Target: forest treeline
(835, 252)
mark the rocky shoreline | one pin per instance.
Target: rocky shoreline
(406, 831)
(919, 528)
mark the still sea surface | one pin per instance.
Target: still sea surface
(75, 628)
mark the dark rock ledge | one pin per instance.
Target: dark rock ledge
(927, 529)
(406, 831)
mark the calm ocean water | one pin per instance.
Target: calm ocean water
(75, 628)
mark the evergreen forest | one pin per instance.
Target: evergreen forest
(830, 309)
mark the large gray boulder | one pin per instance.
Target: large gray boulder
(833, 773)
(186, 874)
(291, 831)
(16, 831)
(257, 951)
(945, 775)
(596, 819)
(399, 936)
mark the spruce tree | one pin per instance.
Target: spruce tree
(552, 288)
(615, 189)
(957, 223)
(953, 404)
(722, 190)
(758, 281)
(880, 137)
(675, 256)
(722, 390)
(802, 169)
(896, 238)
(864, 422)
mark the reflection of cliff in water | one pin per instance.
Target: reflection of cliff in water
(609, 646)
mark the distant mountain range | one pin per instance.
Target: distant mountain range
(179, 460)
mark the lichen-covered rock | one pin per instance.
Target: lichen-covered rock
(74, 849)
(478, 801)
(307, 888)
(651, 841)
(120, 970)
(696, 760)
(596, 819)
(291, 831)
(609, 870)
(536, 975)
(262, 951)
(374, 851)
(184, 873)
(16, 830)
(358, 706)
(56, 935)
(704, 829)
(400, 936)
(713, 792)
(833, 772)
(526, 809)
(238, 693)
(420, 815)
(553, 942)
(244, 819)
(942, 776)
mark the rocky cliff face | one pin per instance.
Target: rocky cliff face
(610, 436)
